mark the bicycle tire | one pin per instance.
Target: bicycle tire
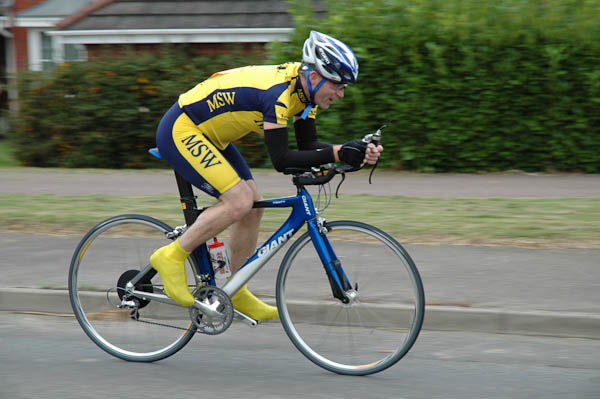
(365, 336)
(110, 250)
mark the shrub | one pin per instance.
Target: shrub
(105, 114)
(467, 85)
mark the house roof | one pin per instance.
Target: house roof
(53, 8)
(179, 21)
(180, 14)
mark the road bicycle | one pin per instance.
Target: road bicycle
(349, 296)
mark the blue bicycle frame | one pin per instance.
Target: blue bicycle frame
(302, 211)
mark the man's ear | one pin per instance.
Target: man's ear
(315, 78)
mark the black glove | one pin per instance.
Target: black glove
(353, 153)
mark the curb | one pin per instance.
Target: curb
(505, 321)
(438, 318)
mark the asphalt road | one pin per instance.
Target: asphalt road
(50, 357)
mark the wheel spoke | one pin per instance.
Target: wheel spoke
(108, 257)
(368, 334)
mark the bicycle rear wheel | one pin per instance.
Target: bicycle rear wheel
(373, 331)
(107, 257)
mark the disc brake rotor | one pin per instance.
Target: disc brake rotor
(217, 298)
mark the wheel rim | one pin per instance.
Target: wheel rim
(104, 255)
(378, 327)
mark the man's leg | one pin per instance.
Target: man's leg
(244, 236)
(244, 233)
(169, 261)
(233, 206)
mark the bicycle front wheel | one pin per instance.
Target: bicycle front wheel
(108, 257)
(382, 320)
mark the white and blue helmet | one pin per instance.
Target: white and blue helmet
(331, 58)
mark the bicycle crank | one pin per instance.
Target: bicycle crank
(222, 310)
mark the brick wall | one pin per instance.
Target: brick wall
(20, 41)
(20, 34)
(97, 52)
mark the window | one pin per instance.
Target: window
(47, 61)
(75, 52)
(71, 52)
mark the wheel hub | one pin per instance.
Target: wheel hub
(143, 285)
(353, 297)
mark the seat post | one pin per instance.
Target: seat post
(186, 193)
(188, 200)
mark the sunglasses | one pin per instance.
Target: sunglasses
(338, 86)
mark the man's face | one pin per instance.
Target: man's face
(328, 93)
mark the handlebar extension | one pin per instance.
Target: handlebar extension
(325, 173)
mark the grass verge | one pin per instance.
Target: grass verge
(7, 158)
(563, 222)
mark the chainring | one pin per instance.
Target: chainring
(142, 285)
(212, 325)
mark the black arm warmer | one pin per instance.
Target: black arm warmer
(282, 157)
(306, 135)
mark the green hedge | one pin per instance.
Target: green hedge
(105, 114)
(479, 85)
(468, 85)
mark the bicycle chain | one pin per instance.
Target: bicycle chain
(157, 324)
(162, 325)
(134, 315)
(137, 317)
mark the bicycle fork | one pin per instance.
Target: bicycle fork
(339, 282)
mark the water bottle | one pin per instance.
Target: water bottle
(219, 259)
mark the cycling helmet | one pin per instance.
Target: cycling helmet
(331, 58)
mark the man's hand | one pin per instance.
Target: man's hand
(372, 154)
(353, 153)
(357, 154)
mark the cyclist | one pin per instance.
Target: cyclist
(196, 137)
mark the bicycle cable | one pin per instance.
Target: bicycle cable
(327, 196)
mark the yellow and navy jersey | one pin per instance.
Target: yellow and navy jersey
(233, 103)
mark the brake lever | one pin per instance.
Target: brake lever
(374, 138)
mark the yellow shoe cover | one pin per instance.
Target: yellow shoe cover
(169, 262)
(244, 301)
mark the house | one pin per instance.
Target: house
(66, 30)
(206, 24)
(37, 34)
(24, 39)
(25, 26)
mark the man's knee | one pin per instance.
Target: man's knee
(239, 200)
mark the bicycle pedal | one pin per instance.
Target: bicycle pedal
(242, 317)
